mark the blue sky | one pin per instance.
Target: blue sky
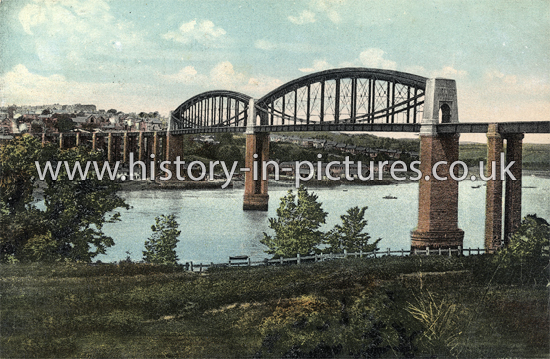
(151, 56)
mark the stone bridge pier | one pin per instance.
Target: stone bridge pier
(257, 152)
(494, 238)
(438, 197)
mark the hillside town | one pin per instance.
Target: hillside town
(78, 117)
(87, 118)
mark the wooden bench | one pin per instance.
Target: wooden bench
(239, 260)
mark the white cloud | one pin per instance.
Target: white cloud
(305, 17)
(374, 57)
(329, 7)
(187, 75)
(20, 86)
(449, 72)
(223, 76)
(30, 16)
(202, 32)
(71, 35)
(318, 65)
(264, 45)
(58, 17)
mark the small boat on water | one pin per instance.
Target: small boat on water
(389, 197)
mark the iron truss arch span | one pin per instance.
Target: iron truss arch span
(212, 109)
(345, 96)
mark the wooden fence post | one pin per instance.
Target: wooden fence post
(191, 266)
(402, 252)
(345, 253)
(389, 252)
(427, 251)
(298, 261)
(281, 260)
(200, 267)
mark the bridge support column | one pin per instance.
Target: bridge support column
(94, 141)
(77, 141)
(110, 145)
(257, 151)
(174, 152)
(43, 139)
(512, 201)
(255, 187)
(493, 202)
(141, 147)
(438, 198)
(61, 140)
(155, 147)
(125, 146)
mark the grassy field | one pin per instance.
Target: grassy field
(385, 307)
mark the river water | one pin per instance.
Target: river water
(214, 226)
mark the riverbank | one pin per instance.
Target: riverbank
(285, 181)
(341, 308)
(139, 185)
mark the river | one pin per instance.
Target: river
(214, 226)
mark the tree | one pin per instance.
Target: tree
(296, 226)
(526, 258)
(112, 110)
(350, 235)
(70, 225)
(64, 124)
(160, 248)
(17, 170)
(77, 209)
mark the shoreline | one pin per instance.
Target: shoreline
(139, 185)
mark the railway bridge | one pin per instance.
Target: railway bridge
(351, 100)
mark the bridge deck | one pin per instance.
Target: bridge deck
(466, 127)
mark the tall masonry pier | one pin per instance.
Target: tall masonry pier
(438, 197)
(257, 152)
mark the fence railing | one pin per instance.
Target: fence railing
(247, 261)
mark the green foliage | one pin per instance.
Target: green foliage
(296, 226)
(229, 154)
(70, 227)
(17, 171)
(350, 235)
(443, 323)
(344, 308)
(525, 260)
(64, 124)
(160, 248)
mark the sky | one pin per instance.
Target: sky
(153, 55)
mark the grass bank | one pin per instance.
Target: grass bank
(385, 307)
